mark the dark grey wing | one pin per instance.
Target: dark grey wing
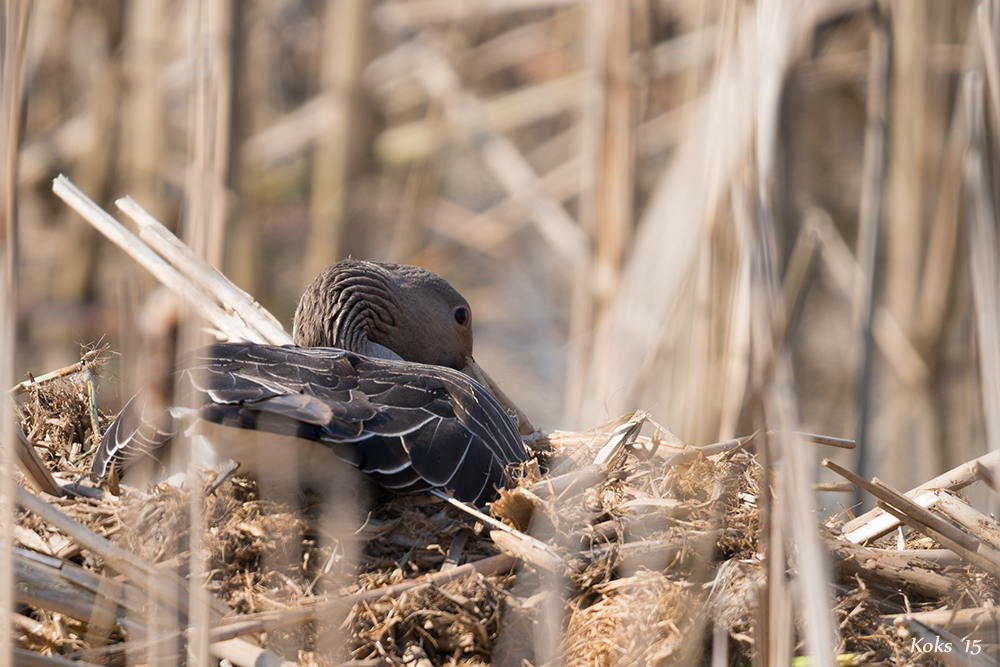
(410, 427)
(138, 430)
(436, 428)
(239, 385)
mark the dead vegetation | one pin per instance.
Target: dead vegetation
(738, 215)
(656, 559)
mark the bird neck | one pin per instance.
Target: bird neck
(363, 310)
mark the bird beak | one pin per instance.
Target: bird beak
(474, 371)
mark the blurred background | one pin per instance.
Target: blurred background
(607, 182)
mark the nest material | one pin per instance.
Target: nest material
(655, 557)
(59, 416)
(644, 619)
(453, 624)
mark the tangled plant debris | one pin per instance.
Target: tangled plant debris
(654, 556)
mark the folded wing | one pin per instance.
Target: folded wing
(409, 426)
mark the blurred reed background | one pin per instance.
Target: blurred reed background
(609, 183)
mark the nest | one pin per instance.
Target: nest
(651, 556)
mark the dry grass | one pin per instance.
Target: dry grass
(618, 190)
(657, 555)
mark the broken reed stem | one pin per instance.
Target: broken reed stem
(164, 587)
(203, 275)
(904, 509)
(891, 568)
(955, 479)
(88, 357)
(32, 466)
(325, 609)
(523, 546)
(960, 621)
(160, 268)
(179, 269)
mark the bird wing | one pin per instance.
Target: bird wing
(409, 426)
(139, 429)
(435, 428)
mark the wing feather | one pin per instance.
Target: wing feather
(409, 426)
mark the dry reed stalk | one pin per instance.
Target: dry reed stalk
(970, 548)
(69, 142)
(423, 13)
(343, 41)
(289, 136)
(983, 257)
(905, 571)
(962, 621)
(209, 113)
(484, 231)
(24, 658)
(143, 143)
(389, 79)
(790, 520)
(7, 425)
(206, 209)
(498, 153)
(420, 139)
(232, 327)
(694, 184)
(589, 129)
(16, 14)
(954, 480)
(937, 279)
(12, 447)
(872, 169)
(787, 515)
(511, 47)
(905, 222)
(799, 271)
(207, 278)
(986, 16)
(658, 134)
(970, 519)
(614, 174)
(34, 469)
(42, 584)
(692, 49)
(846, 274)
(94, 166)
(905, 421)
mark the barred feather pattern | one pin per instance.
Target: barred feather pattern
(410, 427)
(347, 306)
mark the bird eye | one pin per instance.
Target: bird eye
(462, 315)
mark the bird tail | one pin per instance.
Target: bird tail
(139, 429)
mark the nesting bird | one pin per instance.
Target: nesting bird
(380, 374)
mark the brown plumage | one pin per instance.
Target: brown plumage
(380, 373)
